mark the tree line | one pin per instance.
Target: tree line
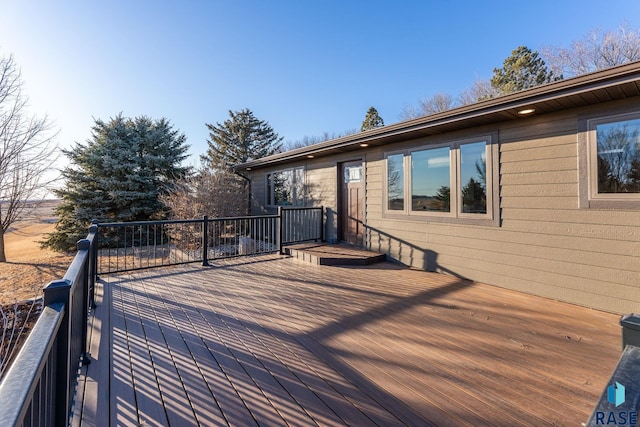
(131, 169)
(526, 68)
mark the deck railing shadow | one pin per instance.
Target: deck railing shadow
(405, 252)
(315, 341)
(39, 386)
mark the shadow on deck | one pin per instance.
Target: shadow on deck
(266, 340)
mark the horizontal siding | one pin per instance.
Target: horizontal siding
(621, 234)
(320, 186)
(539, 190)
(577, 216)
(535, 203)
(546, 253)
(535, 165)
(539, 153)
(606, 247)
(536, 178)
(543, 242)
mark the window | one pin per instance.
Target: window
(614, 158)
(431, 180)
(352, 174)
(445, 182)
(395, 182)
(473, 178)
(285, 188)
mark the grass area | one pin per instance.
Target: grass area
(28, 268)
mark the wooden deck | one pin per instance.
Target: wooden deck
(272, 341)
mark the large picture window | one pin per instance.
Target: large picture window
(285, 188)
(615, 158)
(431, 180)
(453, 180)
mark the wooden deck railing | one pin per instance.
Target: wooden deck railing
(38, 389)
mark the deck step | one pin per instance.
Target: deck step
(327, 254)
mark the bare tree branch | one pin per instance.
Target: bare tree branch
(437, 103)
(27, 151)
(479, 91)
(598, 50)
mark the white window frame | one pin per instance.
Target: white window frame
(455, 215)
(298, 200)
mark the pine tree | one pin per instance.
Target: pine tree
(372, 120)
(524, 69)
(118, 176)
(239, 139)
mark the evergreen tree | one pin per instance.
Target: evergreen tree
(372, 120)
(442, 200)
(118, 176)
(239, 139)
(524, 69)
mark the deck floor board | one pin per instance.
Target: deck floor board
(271, 341)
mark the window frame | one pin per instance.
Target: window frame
(270, 188)
(455, 215)
(591, 198)
(385, 192)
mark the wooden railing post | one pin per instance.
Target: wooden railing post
(205, 240)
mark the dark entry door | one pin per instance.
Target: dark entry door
(352, 203)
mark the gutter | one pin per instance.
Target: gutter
(508, 104)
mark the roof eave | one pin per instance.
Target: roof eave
(490, 109)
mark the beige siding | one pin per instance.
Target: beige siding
(258, 188)
(543, 242)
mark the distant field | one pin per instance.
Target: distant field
(30, 268)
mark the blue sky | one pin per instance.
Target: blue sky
(306, 67)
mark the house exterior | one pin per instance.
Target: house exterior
(536, 191)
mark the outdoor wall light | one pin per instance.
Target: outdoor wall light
(364, 144)
(310, 156)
